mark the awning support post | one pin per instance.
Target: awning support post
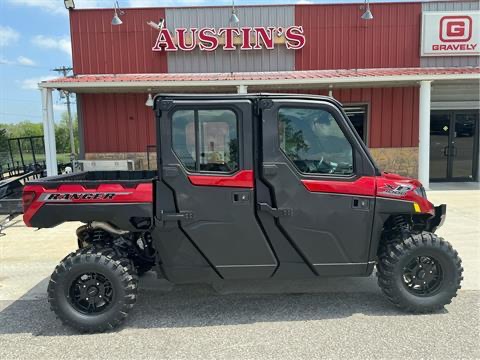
(424, 134)
(49, 132)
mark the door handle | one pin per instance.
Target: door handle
(360, 204)
(285, 212)
(241, 197)
(445, 151)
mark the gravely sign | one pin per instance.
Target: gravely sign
(451, 33)
(246, 38)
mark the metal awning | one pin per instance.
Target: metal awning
(258, 81)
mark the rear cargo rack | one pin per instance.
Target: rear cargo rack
(11, 196)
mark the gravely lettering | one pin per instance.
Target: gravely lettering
(449, 47)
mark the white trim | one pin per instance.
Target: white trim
(360, 80)
(49, 132)
(424, 134)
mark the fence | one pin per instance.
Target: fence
(24, 154)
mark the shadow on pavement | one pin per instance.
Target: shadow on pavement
(163, 305)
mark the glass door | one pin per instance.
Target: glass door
(439, 145)
(464, 153)
(454, 145)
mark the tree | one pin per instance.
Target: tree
(23, 129)
(292, 139)
(27, 129)
(4, 157)
(3, 139)
(62, 134)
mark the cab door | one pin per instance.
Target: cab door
(322, 185)
(207, 164)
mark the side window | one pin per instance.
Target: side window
(183, 138)
(313, 141)
(206, 140)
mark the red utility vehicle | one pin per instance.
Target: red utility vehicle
(250, 186)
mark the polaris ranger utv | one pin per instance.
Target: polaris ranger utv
(250, 186)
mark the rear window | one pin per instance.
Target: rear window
(206, 140)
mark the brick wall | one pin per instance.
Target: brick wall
(402, 161)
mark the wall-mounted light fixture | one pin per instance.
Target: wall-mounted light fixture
(233, 17)
(117, 13)
(367, 15)
(69, 4)
(149, 101)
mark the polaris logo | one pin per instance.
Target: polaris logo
(65, 197)
(397, 189)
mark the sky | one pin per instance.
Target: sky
(35, 38)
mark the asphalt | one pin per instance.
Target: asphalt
(325, 318)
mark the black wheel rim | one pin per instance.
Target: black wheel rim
(91, 293)
(423, 276)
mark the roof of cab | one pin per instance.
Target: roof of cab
(250, 96)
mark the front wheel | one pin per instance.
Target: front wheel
(92, 291)
(421, 273)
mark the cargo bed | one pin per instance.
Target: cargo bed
(98, 177)
(122, 198)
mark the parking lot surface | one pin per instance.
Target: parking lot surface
(325, 318)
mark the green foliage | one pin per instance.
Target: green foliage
(62, 134)
(292, 140)
(3, 138)
(3, 146)
(23, 128)
(27, 128)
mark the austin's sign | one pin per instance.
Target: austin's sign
(451, 33)
(229, 38)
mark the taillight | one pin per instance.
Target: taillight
(27, 199)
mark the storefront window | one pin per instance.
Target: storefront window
(358, 117)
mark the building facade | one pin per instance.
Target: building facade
(408, 78)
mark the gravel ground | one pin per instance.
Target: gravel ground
(325, 318)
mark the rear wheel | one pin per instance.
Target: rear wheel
(421, 273)
(92, 291)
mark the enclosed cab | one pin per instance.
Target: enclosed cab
(253, 186)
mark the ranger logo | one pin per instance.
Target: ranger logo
(65, 197)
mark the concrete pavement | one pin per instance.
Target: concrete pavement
(325, 318)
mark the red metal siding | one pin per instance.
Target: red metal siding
(337, 38)
(117, 123)
(393, 112)
(122, 122)
(100, 48)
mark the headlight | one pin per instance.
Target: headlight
(420, 191)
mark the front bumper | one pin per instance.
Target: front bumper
(438, 219)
